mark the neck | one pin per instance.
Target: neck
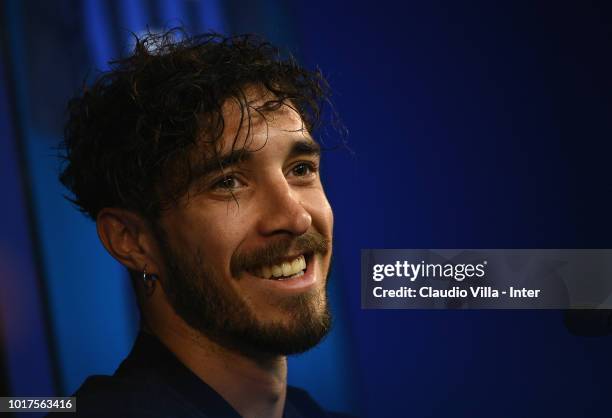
(255, 386)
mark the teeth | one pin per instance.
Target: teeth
(296, 264)
(302, 263)
(285, 269)
(276, 271)
(266, 272)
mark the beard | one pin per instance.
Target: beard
(217, 311)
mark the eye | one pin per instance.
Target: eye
(227, 183)
(304, 169)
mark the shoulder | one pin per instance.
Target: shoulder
(307, 405)
(103, 396)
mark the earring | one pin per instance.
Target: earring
(149, 281)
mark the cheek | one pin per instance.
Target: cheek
(331, 215)
(329, 218)
(322, 214)
(215, 235)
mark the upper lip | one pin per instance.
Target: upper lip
(286, 259)
(290, 258)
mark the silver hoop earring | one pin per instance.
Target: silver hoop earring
(149, 281)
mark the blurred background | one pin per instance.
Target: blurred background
(473, 124)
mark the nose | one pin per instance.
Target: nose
(282, 211)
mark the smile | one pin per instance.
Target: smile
(282, 271)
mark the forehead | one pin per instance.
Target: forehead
(249, 127)
(251, 121)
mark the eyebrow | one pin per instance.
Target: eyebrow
(305, 147)
(299, 148)
(220, 163)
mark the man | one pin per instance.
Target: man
(195, 158)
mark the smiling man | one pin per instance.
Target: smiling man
(195, 158)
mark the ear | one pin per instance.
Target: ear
(128, 237)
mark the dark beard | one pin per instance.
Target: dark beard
(219, 314)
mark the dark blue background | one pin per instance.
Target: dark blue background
(472, 124)
(475, 125)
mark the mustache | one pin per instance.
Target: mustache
(310, 242)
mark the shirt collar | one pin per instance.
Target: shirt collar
(150, 357)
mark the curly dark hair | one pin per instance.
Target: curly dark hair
(129, 135)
